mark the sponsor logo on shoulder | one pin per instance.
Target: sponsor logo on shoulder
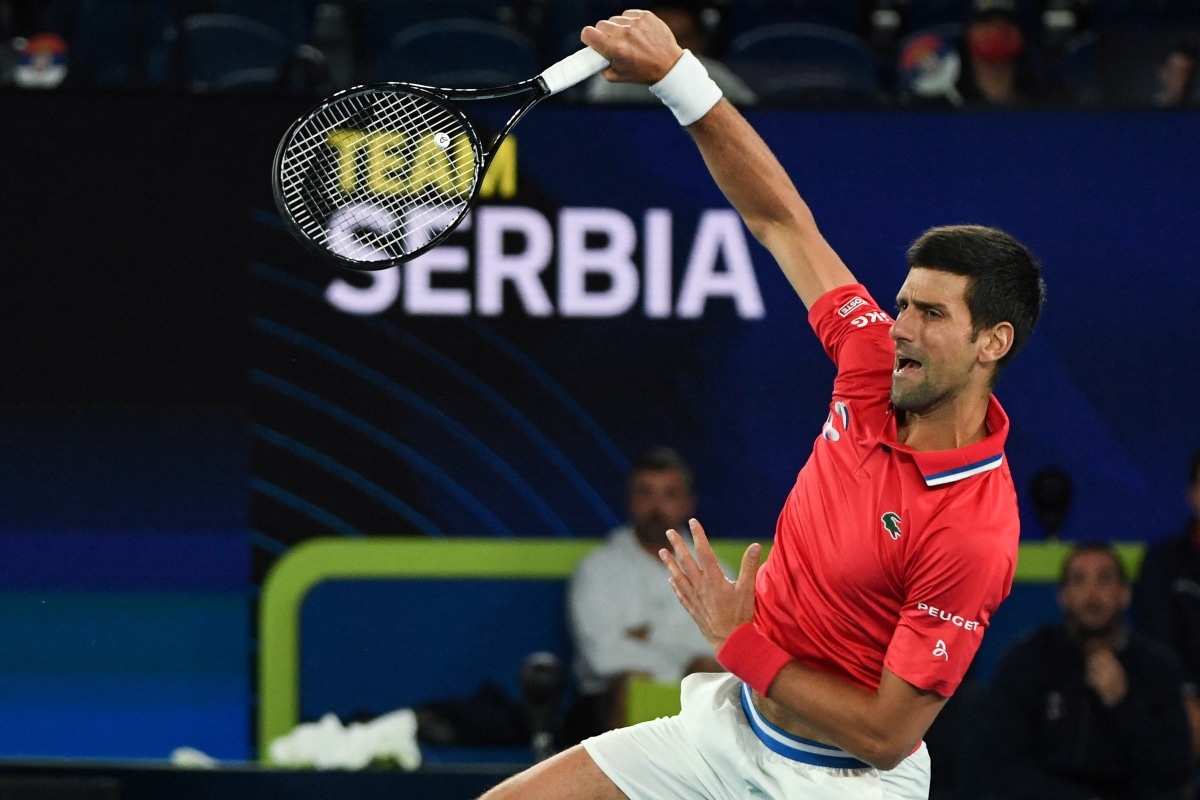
(852, 304)
(840, 412)
(870, 318)
(940, 650)
(957, 620)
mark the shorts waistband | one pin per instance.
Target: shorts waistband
(795, 747)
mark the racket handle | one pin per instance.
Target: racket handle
(580, 65)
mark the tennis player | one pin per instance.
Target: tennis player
(898, 540)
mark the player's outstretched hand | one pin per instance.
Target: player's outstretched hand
(717, 604)
(639, 46)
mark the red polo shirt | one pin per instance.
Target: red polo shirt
(886, 557)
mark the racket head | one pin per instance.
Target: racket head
(376, 175)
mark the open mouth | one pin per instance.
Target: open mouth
(906, 366)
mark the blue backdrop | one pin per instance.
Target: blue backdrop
(522, 422)
(179, 388)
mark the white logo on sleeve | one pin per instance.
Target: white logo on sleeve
(940, 650)
(870, 318)
(852, 304)
(840, 412)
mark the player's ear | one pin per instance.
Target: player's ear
(994, 342)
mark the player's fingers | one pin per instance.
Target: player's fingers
(678, 576)
(680, 583)
(704, 551)
(593, 37)
(749, 567)
(689, 605)
(684, 556)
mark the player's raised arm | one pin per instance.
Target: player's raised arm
(641, 49)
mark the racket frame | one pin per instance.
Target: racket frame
(445, 99)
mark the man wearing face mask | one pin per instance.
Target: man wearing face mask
(624, 617)
(1088, 709)
(995, 68)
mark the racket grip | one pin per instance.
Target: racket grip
(580, 65)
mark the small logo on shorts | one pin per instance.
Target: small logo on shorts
(940, 650)
(891, 523)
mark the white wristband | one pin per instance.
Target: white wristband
(687, 90)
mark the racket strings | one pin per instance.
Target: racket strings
(376, 174)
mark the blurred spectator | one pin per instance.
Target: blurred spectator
(686, 21)
(995, 60)
(41, 62)
(1088, 708)
(1168, 594)
(1177, 77)
(625, 618)
(930, 68)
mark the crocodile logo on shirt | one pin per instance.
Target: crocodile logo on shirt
(891, 523)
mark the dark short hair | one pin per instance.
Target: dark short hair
(1004, 279)
(1094, 546)
(1194, 469)
(657, 459)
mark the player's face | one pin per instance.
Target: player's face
(935, 346)
(1093, 595)
(659, 499)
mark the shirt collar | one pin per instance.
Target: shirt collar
(939, 467)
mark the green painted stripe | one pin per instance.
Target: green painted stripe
(333, 559)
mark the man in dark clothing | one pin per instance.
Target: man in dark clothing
(1088, 708)
(1168, 595)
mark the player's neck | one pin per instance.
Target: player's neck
(959, 422)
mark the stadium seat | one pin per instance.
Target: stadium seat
(114, 43)
(1077, 70)
(928, 13)
(803, 64)
(1146, 12)
(384, 19)
(292, 18)
(746, 15)
(222, 51)
(461, 53)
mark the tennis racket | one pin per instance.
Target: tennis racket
(376, 175)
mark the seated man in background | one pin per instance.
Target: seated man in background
(685, 20)
(1088, 708)
(1168, 595)
(624, 617)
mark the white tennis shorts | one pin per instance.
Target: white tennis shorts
(720, 748)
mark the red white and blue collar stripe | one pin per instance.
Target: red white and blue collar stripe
(941, 467)
(795, 747)
(952, 475)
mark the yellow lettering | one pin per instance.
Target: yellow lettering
(346, 143)
(464, 165)
(433, 167)
(501, 177)
(386, 163)
(392, 166)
